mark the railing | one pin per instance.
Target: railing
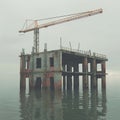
(99, 55)
(85, 53)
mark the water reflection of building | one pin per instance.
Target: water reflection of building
(69, 105)
(45, 105)
(85, 106)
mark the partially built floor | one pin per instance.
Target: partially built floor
(62, 69)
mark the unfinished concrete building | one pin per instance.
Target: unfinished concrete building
(62, 68)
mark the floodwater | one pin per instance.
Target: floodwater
(56, 105)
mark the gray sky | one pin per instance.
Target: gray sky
(98, 33)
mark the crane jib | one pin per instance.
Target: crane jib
(68, 18)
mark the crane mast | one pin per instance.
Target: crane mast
(37, 26)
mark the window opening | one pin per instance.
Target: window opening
(38, 63)
(51, 61)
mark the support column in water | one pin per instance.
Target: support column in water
(103, 65)
(85, 73)
(64, 82)
(69, 77)
(76, 77)
(93, 76)
(22, 70)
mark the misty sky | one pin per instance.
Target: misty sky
(98, 33)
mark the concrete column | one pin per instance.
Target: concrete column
(22, 72)
(76, 77)
(93, 76)
(69, 77)
(103, 82)
(28, 62)
(63, 82)
(103, 65)
(76, 67)
(85, 72)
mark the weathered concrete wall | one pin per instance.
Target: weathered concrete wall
(45, 61)
(46, 71)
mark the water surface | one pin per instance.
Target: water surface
(56, 105)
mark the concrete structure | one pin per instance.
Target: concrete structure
(61, 69)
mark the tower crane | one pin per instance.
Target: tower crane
(36, 26)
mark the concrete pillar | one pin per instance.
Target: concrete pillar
(85, 72)
(76, 67)
(103, 82)
(64, 82)
(103, 65)
(22, 72)
(69, 77)
(93, 76)
(76, 77)
(28, 62)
